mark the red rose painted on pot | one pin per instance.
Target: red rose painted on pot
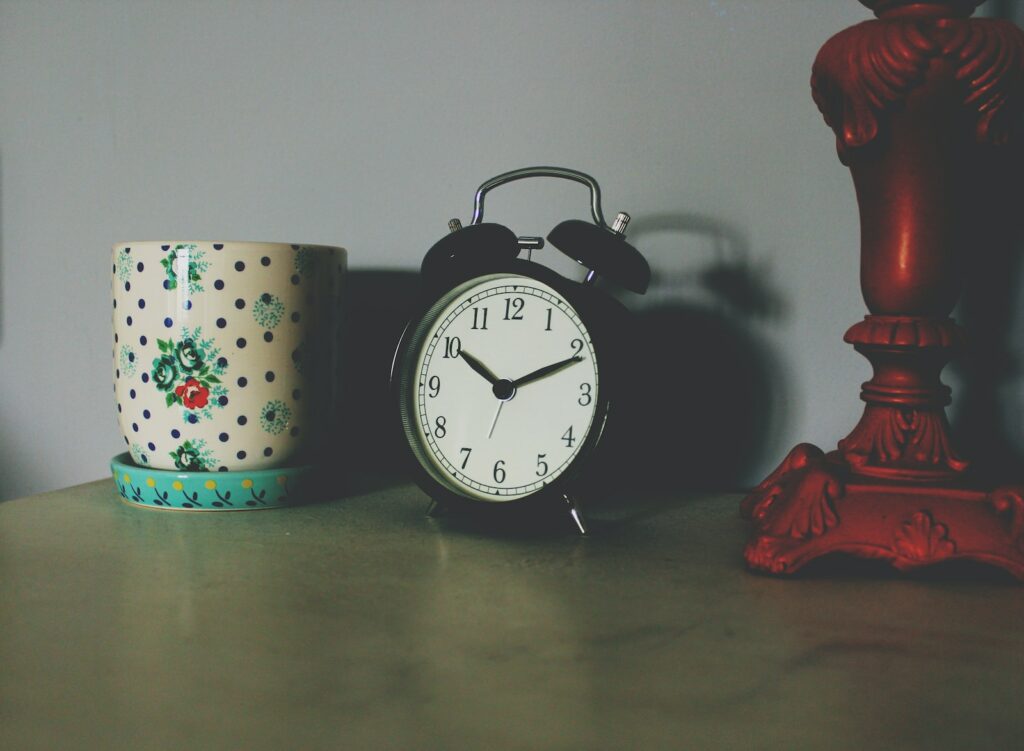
(193, 394)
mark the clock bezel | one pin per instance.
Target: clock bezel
(595, 314)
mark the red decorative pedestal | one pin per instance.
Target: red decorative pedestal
(924, 102)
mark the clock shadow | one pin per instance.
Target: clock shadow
(701, 408)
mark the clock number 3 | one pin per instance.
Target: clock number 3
(585, 397)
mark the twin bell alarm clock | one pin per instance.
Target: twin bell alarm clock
(506, 376)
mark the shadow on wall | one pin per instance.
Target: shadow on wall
(703, 402)
(701, 405)
(988, 411)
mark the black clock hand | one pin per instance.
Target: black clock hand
(479, 367)
(546, 370)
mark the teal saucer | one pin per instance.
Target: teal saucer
(214, 491)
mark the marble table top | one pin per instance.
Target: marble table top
(363, 624)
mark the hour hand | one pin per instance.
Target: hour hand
(546, 370)
(479, 367)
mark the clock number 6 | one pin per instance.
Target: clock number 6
(499, 471)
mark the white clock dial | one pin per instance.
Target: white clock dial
(504, 388)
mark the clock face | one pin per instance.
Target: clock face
(503, 389)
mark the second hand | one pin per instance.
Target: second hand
(495, 420)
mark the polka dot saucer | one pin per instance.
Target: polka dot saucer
(215, 491)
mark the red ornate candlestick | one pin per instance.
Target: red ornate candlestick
(924, 102)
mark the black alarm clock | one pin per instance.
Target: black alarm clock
(506, 375)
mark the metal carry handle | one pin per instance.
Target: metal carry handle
(519, 174)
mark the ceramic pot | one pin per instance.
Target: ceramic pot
(224, 353)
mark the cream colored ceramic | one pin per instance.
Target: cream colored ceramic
(224, 352)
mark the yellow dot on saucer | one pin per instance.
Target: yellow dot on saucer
(247, 484)
(177, 485)
(127, 478)
(281, 479)
(210, 484)
(151, 482)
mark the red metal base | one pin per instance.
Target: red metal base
(812, 505)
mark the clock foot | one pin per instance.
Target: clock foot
(576, 514)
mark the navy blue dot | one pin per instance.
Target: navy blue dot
(132, 393)
(222, 469)
(223, 437)
(193, 419)
(269, 376)
(143, 340)
(239, 266)
(222, 362)
(265, 298)
(271, 416)
(167, 283)
(297, 394)
(175, 433)
(265, 261)
(295, 278)
(147, 414)
(135, 427)
(113, 268)
(145, 377)
(168, 322)
(142, 303)
(222, 401)
(116, 339)
(145, 459)
(165, 247)
(268, 336)
(128, 320)
(131, 357)
(127, 286)
(152, 446)
(219, 284)
(239, 303)
(221, 323)
(126, 440)
(115, 303)
(139, 266)
(218, 246)
(188, 305)
(268, 451)
(243, 381)
(118, 407)
(240, 454)
(117, 373)
(242, 419)
(296, 317)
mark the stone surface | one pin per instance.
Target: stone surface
(363, 624)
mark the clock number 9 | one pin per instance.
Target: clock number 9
(434, 384)
(440, 427)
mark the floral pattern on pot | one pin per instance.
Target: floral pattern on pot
(267, 310)
(189, 371)
(127, 361)
(124, 264)
(185, 264)
(275, 417)
(193, 456)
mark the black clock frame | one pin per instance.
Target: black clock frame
(607, 322)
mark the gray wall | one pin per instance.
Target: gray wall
(369, 124)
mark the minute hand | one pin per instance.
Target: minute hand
(546, 370)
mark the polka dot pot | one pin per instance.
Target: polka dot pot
(224, 353)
